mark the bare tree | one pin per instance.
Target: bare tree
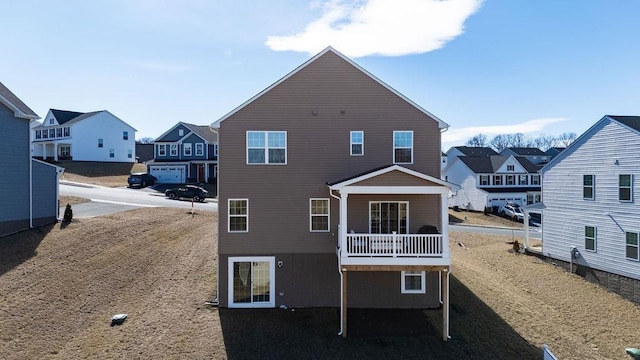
(479, 140)
(145, 140)
(544, 142)
(565, 139)
(500, 142)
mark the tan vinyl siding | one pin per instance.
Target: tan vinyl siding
(344, 99)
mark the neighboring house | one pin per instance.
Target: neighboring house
(28, 187)
(94, 136)
(326, 178)
(469, 151)
(535, 155)
(185, 153)
(591, 201)
(443, 163)
(144, 152)
(553, 152)
(492, 181)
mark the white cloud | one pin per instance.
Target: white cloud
(455, 137)
(380, 27)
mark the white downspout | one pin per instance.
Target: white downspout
(339, 264)
(30, 181)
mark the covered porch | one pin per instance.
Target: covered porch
(56, 150)
(393, 219)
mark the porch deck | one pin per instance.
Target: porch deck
(394, 249)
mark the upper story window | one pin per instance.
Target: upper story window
(38, 134)
(238, 220)
(199, 149)
(403, 147)
(357, 143)
(588, 182)
(125, 135)
(266, 147)
(484, 180)
(511, 167)
(52, 133)
(413, 282)
(162, 150)
(215, 149)
(318, 215)
(523, 180)
(625, 187)
(497, 180)
(45, 134)
(180, 132)
(632, 246)
(590, 238)
(186, 149)
(511, 179)
(100, 143)
(59, 132)
(51, 121)
(535, 179)
(66, 131)
(173, 149)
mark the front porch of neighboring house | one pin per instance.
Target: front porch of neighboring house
(56, 150)
(394, 219)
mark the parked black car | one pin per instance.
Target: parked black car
(141, 179)
(187, 191)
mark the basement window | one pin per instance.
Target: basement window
(413, 282)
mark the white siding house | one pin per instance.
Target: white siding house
(591, 199)
(94, 136)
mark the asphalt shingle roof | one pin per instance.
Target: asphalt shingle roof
(491, 164)
(204, 131)
(476, 151)
(63, 116)
(526, 151)
(631, 121)
(13, 99)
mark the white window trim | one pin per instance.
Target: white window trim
(266, 147)
(186, 146)
(125, 135)
(162, 150)
(272, 283)
(311, 215)
(351, 143)
(630, 189)
(511, 168)
(394, 146)
(636, 246)
(592, 186)
(391, 201)
(173, 150)
(215, 149)
(112, 153)
(488, 180)
(130, 154)
(595, 238)
(537, 177)
(229, 215)
(199, 149)
(403, 288)
(180, 132)
(512, 177)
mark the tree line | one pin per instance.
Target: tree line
(503, 141)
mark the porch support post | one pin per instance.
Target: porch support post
(55, 151)
(344, 304)
(444, 205)
(344, 197)
(444, 280)
(44, 151)
(526, 229)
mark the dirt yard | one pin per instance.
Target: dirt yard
(60, 286)
(479, 218)
(99, 173)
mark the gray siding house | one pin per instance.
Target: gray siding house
(330, 194)
(590, 203)
(29, 188)
(185, 153)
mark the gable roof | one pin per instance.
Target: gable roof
(19, 108)
(441, 124)
(63, 116)
(475, 151)
(526, 151)
(631, 122)
(203, 131)
(335, 185)
(491, 164)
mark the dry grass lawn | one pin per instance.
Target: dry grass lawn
(60, 286)
(479, 218)
(99, 173)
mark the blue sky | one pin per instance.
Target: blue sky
(492, 66)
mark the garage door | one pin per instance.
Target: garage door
(168, 174)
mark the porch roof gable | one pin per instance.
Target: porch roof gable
(426, 180)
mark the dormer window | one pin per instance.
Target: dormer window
(511, 167)
(51, 121)
(180, 132)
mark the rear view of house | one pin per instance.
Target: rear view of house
(330, 195)
(28, 188)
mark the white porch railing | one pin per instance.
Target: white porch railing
(393, 245)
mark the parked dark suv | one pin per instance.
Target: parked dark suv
(187, 191)
(141, 179)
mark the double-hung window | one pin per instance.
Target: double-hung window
(199, 149)
(497, 179)
(318, 215)
(45, 134)
(129, 153)
(403, 147)
(357, 143)
(59, 132)
(162, 150)
(523, 180)
(590, 238)
(238, 220)
(511, 179)
(266, 147)
(66, 131)
(511, 167)
(632, 246)
(413, 282)
(625, 187)
(484, 180)
(100, 143)
(173, 150)
(125, 135)
(535, 179)
(112, 153)
(215, 149)
(38, 134)
(52, 133)
(588, 182)
(186, 149)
